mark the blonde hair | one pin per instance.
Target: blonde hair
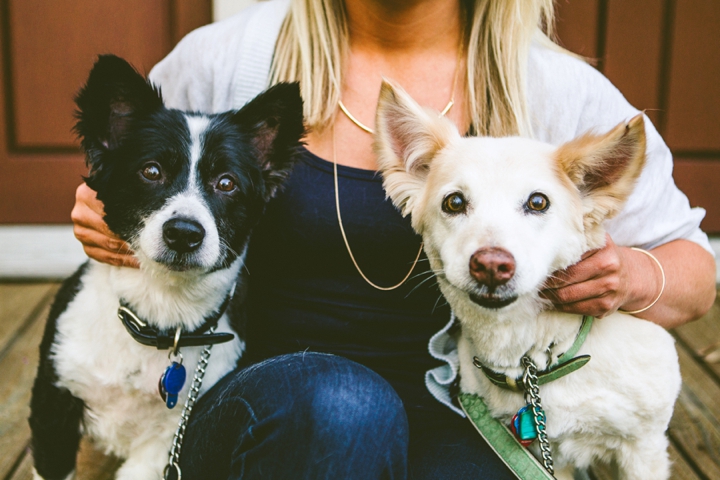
(313, 45)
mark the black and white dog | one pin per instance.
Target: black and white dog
(184, 190)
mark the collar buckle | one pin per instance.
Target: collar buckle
(131, 317)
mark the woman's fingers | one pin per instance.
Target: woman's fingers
(104, 256)
(102, 248)
(88, 211)
(597, 307)
(93, 238)
(593, 286)
(90, 229)
(597, 297)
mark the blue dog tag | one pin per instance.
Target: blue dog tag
(171, 382)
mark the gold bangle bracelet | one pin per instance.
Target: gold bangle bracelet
(662, 288)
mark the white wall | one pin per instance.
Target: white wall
(39, 251)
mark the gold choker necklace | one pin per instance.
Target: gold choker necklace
(337, 193)
(369, 130)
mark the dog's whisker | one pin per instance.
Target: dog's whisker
(427, 259)
(437, 304)
(425, 272)
(228, 247)
(419, 285)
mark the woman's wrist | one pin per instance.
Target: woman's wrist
(646, 280)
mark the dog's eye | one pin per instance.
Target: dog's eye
(225, 184)
(537, 202)
(151, 171)
(454, 203)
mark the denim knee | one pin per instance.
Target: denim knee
(306, 415)
(343, 394)
(345, 409)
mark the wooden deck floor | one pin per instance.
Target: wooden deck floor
(694, 431)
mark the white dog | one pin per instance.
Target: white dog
(498, 216)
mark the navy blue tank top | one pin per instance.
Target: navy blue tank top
(305, 293)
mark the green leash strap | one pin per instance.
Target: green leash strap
(517, 458)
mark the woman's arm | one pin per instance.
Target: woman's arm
(615, 277)
(568, 97)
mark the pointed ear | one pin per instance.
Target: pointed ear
(604, 168)
(407, 137)
(273, 122)
(114, 96)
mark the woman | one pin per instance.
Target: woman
(364, 293)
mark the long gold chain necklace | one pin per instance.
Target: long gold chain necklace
(337, 193)
(344, 236)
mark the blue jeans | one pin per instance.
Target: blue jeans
(319, 416)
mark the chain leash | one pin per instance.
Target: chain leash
(532, 397)
(174, 454)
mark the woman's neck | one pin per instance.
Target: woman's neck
(399, 26)
(411, 42)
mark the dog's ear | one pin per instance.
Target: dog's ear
(273, 123)
(604, 168)
(407, 137)
(114, 95)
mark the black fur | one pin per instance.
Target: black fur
(55, 415)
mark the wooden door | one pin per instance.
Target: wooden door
(46, 51)
(664, 55)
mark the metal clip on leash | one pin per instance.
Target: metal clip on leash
(532, 397)
(174, 454)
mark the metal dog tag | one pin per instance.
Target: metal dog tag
(523, 426)
(171, 383)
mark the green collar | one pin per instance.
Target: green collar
(566, 363)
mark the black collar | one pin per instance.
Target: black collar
(143, 333)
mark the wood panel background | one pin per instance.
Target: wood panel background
(664, 55)
(46, 51)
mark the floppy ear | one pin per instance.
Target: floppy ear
(406, 139)
(604, 168)
(114, 96)
(273, 123)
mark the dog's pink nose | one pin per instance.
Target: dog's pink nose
(492, 266)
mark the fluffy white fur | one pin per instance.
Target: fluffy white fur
(98, 361)
(617, 406)
(117, 378)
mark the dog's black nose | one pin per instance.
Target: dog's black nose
(492, 266)
(183, 235)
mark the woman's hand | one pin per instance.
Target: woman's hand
(98, 241)
(597, 285)
(614, 277)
